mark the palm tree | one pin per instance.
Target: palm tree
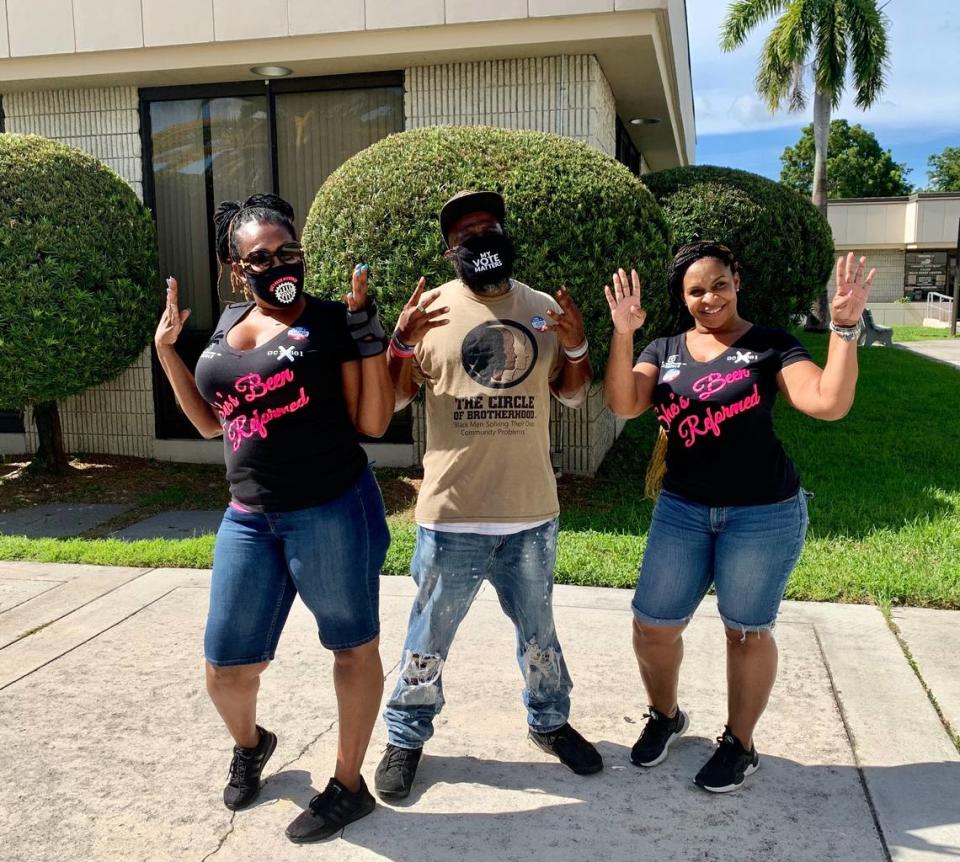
(822, 38)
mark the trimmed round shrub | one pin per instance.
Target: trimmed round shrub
(574, 213)
(79, 287)
(783, 243)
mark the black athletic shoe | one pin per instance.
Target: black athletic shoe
(330, 811)
(243, 784)
(730, 764)
(571, 748)
(654, 743)
(396, 771)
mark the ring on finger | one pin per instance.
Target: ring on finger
(421, 308)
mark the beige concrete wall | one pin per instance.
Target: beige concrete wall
(117, 417)
(564, 95)
(889, 263)
(47, 27)
(868, 224)
(918, 221)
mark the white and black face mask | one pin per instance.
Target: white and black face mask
(484, 259)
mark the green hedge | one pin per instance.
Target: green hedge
(575, 214)
(784, 245)
(79, 288)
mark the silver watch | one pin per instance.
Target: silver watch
(847, 333)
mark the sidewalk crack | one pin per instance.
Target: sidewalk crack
(223, 839)
(908, 655)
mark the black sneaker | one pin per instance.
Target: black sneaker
(396, 771)
(730, 764)
(654, 743)
(570, 747)
(330, 811)
(243, 783)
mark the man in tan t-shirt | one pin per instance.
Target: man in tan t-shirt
(490, 351)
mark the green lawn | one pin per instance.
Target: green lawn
(885, 519)
(918, 333)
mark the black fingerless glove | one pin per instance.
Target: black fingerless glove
(367, 331)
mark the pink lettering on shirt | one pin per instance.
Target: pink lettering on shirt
(692, 427)
(713, 382)
(255, 425)
(666, 413)
(252, 386)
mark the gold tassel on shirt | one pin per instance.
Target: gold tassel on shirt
(657, 467)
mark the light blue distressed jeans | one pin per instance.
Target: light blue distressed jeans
(449, 569)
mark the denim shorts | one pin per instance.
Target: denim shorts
(330, 554)
(746, 552)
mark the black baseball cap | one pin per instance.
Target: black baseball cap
(467, 201)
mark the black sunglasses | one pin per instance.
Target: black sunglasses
(261, 260)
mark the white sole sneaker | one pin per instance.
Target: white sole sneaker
(680, 731)
(730, 788)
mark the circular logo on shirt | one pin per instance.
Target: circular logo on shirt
(499, 354)
(672, 374)
(298, 333)
(538, 323)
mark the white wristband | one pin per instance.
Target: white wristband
(577, 352)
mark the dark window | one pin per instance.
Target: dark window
(627, 152)
(206, 144)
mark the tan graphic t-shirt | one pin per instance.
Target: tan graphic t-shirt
(487, 376)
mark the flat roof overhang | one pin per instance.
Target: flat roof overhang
(635, 51)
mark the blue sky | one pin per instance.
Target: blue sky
(918, 113)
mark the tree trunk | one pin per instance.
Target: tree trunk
(819, 316)
(51, 456)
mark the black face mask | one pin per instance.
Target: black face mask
(279, 286)
(484, 259)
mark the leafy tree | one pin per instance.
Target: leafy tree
(857, 167)
(822, 39)
(944, 170)
(79, 288)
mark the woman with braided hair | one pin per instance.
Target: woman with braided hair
(290, 381)
(731, 511)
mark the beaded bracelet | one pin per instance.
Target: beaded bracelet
(399, 349)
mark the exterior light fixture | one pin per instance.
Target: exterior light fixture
(271, 71)
(644, 121)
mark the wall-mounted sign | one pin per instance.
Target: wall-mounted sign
(924, 271)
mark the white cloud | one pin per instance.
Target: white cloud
(921, 92)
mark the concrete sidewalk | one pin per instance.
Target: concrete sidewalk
(114, 753)
(944, 350)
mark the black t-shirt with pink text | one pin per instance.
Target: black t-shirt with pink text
(718, 415)
(288, 439)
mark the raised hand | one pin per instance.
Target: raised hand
(172, 319)
(415, 320)
(357, 297)
(568, 322)
(626, 309)
(852, 290)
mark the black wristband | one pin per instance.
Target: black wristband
(366, 330)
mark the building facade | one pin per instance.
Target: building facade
(197, 101)
(912, 241)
